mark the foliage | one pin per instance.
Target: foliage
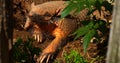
(74, 57)
(23, 52)
(79, 5)
(89, 30)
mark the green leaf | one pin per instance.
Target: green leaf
(99, 24)
(101, 1)
(80, 6)
(96, 26)
(98, 5)
(67, 10)
(87, 38)
(83, 30)
(74, 57)
(19, 41)
(90, 2)
(76, 5)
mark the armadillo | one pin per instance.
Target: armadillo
(41, 19)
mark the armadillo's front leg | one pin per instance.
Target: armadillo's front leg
(37, 33)
(49, 51)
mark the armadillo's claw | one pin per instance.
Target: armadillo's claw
(44, 57)
(38, 37)
(47, 54)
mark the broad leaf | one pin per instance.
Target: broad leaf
(87, 38)
(76, 5)
(83, 30)
(67, 10)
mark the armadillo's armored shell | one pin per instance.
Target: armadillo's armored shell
(82, 15)
(69, 25)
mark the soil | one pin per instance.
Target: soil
(96, 52)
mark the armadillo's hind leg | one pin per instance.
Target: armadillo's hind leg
(49, 51)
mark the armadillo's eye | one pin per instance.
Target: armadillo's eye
(30, 16)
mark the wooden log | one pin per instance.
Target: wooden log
(113, 54)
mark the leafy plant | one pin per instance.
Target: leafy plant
(88, 31)
(74, 57)
(23, 52)
(90, 27)
(78, 5)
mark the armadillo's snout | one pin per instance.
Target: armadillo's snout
(27, 24)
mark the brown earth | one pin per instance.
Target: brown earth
(96, 52)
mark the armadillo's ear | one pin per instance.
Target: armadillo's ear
(33, 4)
